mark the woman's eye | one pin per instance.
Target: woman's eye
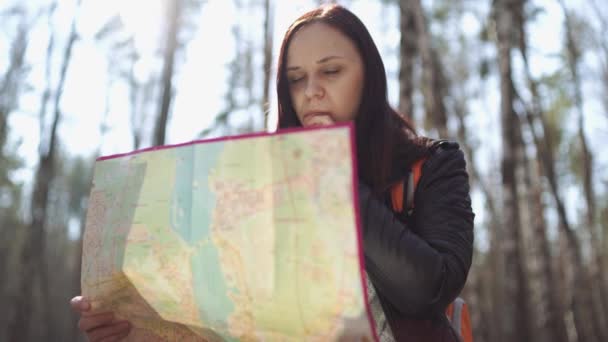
(295, 80)
(331, 71)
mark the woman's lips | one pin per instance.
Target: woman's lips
(317, 119)
(312, 114)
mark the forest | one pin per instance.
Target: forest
(521, 85)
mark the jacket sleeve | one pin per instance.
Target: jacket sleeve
(421, 268)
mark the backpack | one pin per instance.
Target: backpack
(457, 312)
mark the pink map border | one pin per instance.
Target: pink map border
(355, 182)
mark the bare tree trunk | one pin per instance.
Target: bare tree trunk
(523, 186)
(578, 302)
(136, 119)
(140, 98)
(533, 239)
(11, 83)
(268, 32)
(495, 282)
(582, 304)
(555, 326)
(46, 94)
(10, 87)
(407, 48)
(603, 46)
(549, 315)
(433, 83)
(600, 303)
(488, 297)
(516, 323)
(596, 266)
(221, 122)
(3, 138)
(32, 254)
(10, 226)
(484, 305)
(170, 48)
(469, 153)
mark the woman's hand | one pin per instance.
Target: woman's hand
(99, 326)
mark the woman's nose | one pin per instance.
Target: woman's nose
(313, 89)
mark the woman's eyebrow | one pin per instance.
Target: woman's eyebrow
(325, 59)
(320, 61)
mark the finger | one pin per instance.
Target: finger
(80, 304)
(87, 323)
(94, 313)
(99, 334)
(116, 337)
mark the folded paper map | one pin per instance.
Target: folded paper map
(249, 238)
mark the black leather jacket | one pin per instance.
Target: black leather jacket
(419, 267)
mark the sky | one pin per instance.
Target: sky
(200, 82)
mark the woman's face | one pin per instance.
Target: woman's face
(325, 74)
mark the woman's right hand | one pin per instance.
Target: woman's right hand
(99, 326)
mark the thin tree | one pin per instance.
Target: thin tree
(480, 282)
(32, 253)
(545, 146)
(123, 58)
(602, 45)
(573, 53)
(12, 82)
(239, 94)
(433, 85)
(407, 58)
(577, 300)
(268, 33)
(516, 320)
(555, 326)
(140, 100)
(476, 282)
(174, 14)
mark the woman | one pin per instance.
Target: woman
(330, 72)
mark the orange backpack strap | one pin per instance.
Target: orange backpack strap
(401, 201)
(397, 197)
(458, 314)
(466, 328)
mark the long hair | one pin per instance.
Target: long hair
(387, 144)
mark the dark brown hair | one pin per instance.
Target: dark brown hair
(387, 144)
